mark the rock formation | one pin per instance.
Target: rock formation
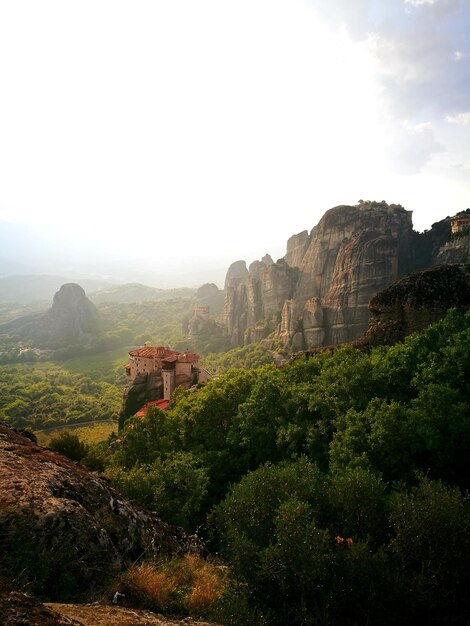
(416, 301)
(17, 609)
(318, 294)
(457, 250)
(73, 319)
(63, 529)
(209, 305)
(144, 388)
(254, 298)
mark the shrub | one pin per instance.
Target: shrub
(69, 445)
(180, 586)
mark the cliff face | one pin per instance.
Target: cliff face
(73, 316)
(457, 250)
(319, 293)
(254, 298)
(144, 388)
(73, 319)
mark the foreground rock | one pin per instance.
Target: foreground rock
(19, 609)
(96, 615)
(63, 530)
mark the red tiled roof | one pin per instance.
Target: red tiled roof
(159, 404)
(149, 352)
(127, 366)
(461, 219)
(188, 357)
(165, 354)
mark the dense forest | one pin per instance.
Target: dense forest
(335, 487)
(45, 395)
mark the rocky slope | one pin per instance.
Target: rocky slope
(318, 294)
(17, 608)
(63, 529)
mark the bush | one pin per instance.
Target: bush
(69, 445)
(180, 586)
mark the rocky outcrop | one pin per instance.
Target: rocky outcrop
(73, 317)
(254, 298)
(319, 293)
(296, 247)
(17, 609)
(72, 320)
(416, 301)
(457, 250)
(144, 388)
(213, 297)
(63, 529)
(209, 305)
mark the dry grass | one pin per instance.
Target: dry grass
(183, 586)
(92, 433)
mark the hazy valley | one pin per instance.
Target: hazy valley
(319, 478)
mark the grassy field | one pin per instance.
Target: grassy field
(91, 433)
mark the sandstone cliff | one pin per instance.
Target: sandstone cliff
(73, 316)
(457, 250)
(73, 319)
(144, 388)
(254, 298)
(318, 294)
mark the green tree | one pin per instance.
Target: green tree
(431, 545)
(69, 445)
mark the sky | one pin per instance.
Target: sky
(193, 133)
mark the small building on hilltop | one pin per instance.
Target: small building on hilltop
(175, 369)
(460, 224)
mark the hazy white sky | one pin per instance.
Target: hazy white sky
(216, 129)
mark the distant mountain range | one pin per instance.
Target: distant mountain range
(25, 289)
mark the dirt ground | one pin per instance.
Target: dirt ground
(99, 615)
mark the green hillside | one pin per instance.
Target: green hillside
(335, 487)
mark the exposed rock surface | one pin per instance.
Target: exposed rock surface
(416, 301)
(99, 615)
(19, 609)
(63, 529)
(457, 250)
(209, 305)
(73, 319)
(296, 247)
(319, 293)
(254, 299)
(144, 388)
